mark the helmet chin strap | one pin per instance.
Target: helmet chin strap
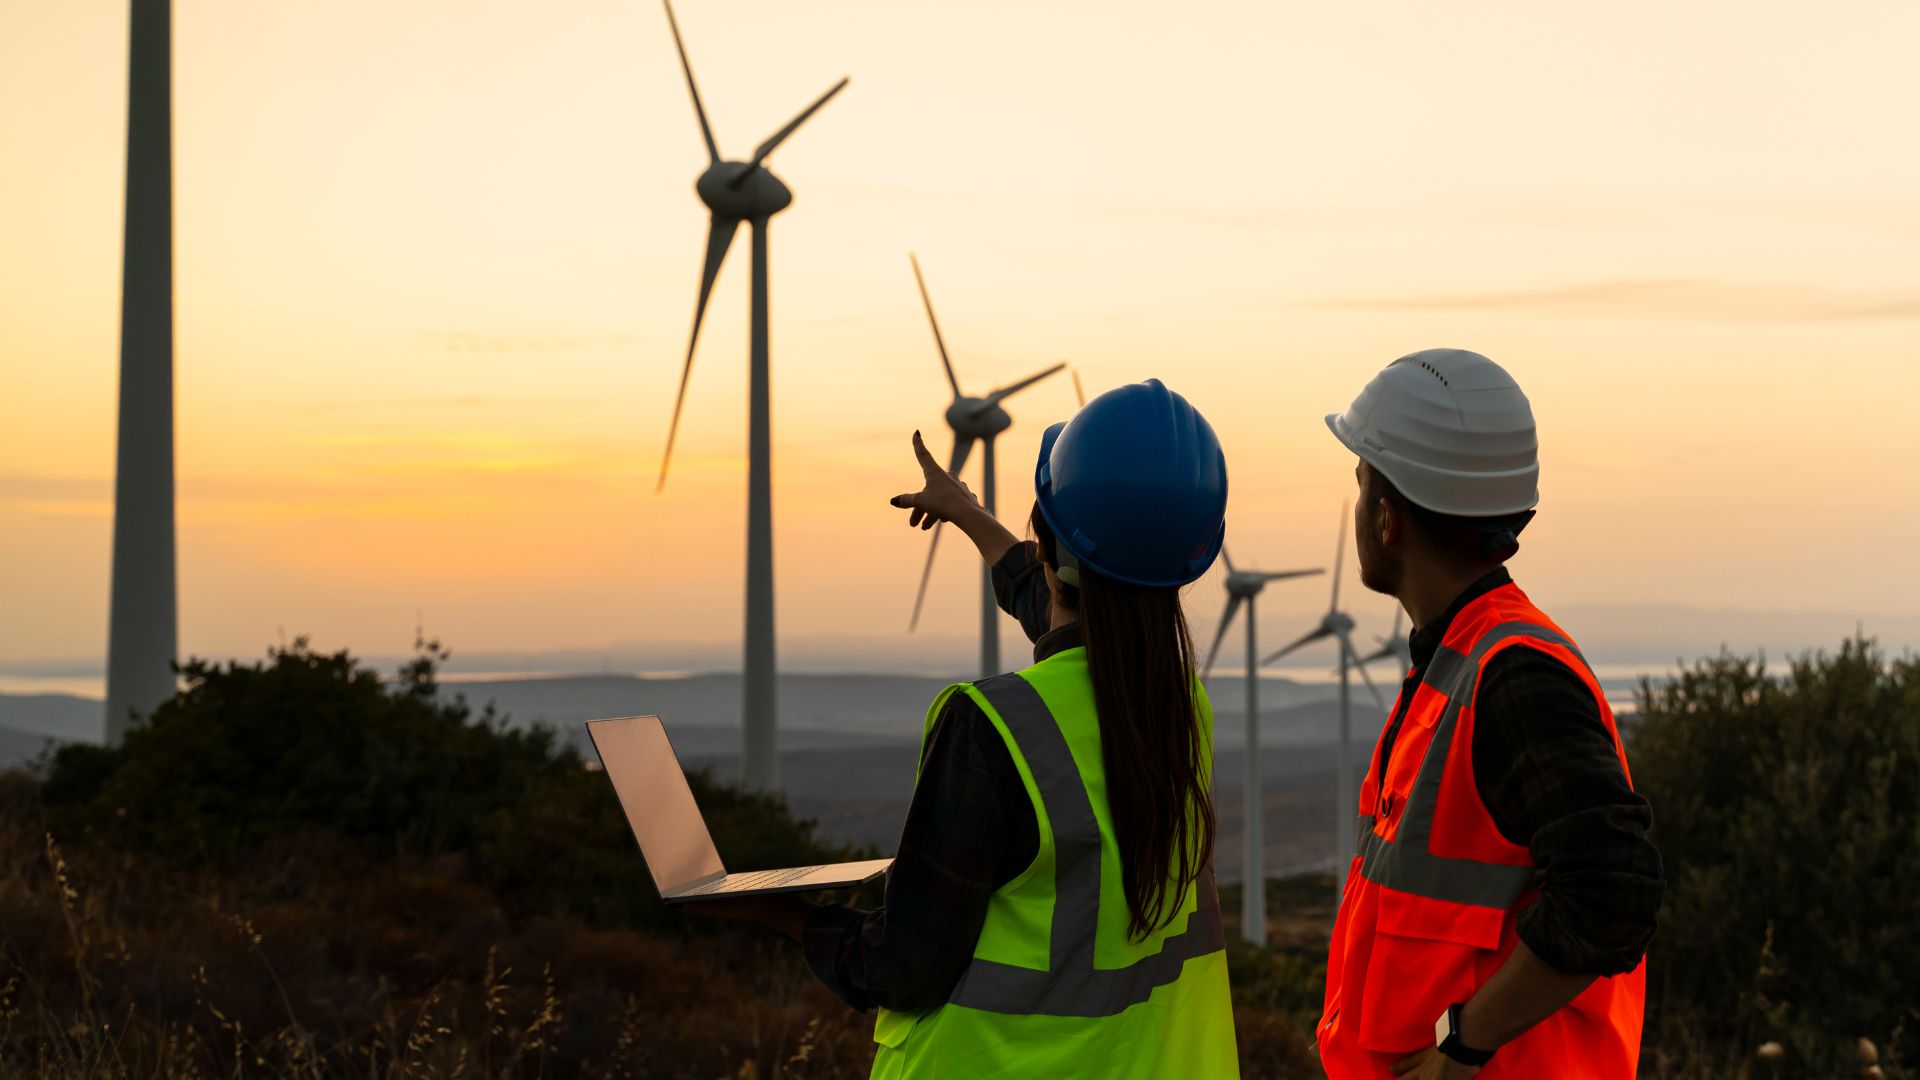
(1501, 545)
(1069, 569)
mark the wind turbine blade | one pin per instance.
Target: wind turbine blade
(938, 341)
(1226, 620)
(1345, 653)
(961, 448)
(1227, 558)
(775, 139)
(1283, 575)
(719, 238)
(1079, 392)
(920, 597)
(1006, 392)
(1339, 559)
(706, 130)
(1312, 636)
(1385, 652)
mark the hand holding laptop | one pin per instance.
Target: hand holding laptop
(784, 912)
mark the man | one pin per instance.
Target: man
(1504, 889)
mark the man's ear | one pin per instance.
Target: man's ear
(1389, 527)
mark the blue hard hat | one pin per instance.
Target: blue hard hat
(1134, 487)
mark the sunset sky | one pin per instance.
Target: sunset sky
(436, 263)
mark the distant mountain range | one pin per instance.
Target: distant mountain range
(1648, 637)
(29, 721)
(705, 709)
(848, 742)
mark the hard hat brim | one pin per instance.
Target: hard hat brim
(1333, 425)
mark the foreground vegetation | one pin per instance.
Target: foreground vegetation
(299, 869)
(1787, 810)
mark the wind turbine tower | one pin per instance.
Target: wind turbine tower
(1243, 587)
(1338, 625)
(981, 420)
(143, 619)
(735, 192)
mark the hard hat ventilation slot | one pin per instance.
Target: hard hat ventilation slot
(1435, 372)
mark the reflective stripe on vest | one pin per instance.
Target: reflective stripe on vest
(1404, 863)
(1071, 985)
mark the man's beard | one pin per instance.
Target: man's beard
(1380, 571)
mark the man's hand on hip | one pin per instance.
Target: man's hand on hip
(1431, 1064)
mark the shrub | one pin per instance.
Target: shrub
(1788, 815)
(306, 742)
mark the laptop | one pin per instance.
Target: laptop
(673, 835)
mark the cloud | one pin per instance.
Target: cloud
(531, 343)
(1683, 298)
(1900, 309)
(1897, 220)
(33, 487)
(464, 402)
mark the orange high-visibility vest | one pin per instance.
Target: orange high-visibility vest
(1434, 890)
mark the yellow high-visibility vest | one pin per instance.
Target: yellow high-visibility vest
(1056, 987)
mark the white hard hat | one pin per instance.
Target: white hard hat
(1451, 430)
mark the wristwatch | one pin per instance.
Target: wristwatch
(1446, 1039)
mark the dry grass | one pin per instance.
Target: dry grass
(316, 963)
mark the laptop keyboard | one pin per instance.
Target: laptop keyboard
(764, 879)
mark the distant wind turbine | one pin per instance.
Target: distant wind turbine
(1243, 587)
(1394, 646)
(1338, 625)
(737, 191)
(981, 420)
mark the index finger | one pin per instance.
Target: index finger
(927, 464)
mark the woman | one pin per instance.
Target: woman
(1051, 909)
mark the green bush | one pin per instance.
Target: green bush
(1788, 815)
(307, 742)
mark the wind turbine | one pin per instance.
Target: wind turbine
(1338, 625)
(1394, 647)
(737, 191)
(981, 420)
(1243, 587)
(142, 620)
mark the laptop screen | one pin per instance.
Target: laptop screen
(659, 804)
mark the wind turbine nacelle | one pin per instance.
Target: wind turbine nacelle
(1245, 583)
(965, 417)
(730, 195)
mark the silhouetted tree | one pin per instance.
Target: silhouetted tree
(1788, 815)
(308, 741)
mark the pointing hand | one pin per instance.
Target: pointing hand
(942, 496)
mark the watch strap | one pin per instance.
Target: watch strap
(1453, 1048)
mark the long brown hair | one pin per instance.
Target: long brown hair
(1140, 657)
